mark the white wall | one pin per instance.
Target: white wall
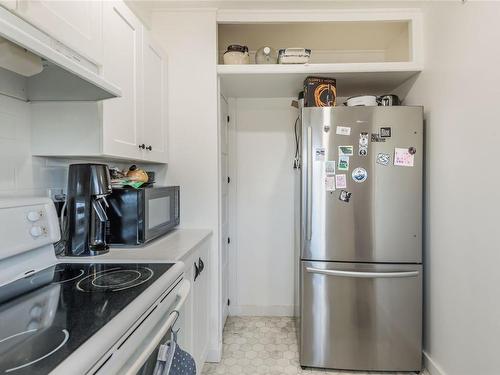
(20, 173)
(460, 89)
(262, 280)
(189, 38)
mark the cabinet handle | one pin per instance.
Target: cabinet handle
(150, 148)
(143, 146)
(196, 271)
(201, 265)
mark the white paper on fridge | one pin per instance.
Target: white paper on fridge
(343, 130)
(330, 183)
(403, 157)
(319, 154)
(340, 181)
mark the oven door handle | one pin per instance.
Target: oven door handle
(182, 294)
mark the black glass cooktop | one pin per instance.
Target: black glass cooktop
(47, 316)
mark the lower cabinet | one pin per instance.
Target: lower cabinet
(195, 324)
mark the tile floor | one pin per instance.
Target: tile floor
(262, 346)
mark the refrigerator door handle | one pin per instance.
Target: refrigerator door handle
(365, 275)
(309, 184)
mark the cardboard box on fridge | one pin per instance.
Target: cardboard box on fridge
(320, 92)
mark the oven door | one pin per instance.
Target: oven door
(137, 353)
(161, 211)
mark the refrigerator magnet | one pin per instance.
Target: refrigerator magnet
(343, 130)
(363, 144)
(377, 138)
(363, 139)
(319, 154)
(359, 175)
(346, 150)
(330, 183)
(344, 196)
(330, 167)
(403, 157)
(385, 132)
(343, 163)
(383, 159)
(340, 181)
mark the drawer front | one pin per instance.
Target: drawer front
(361, 316)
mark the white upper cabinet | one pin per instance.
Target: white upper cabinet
(131, 127)
(155, 127)
(122, 65)
(76, 24)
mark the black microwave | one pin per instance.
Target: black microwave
(137, 216)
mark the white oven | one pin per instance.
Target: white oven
(137, 351)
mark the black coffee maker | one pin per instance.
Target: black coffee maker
(88, 186)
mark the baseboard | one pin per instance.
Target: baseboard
(214, 355)
(431, 366)
(254, 310)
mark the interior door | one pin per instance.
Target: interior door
(361, 316)
(122, 117)
(224, 205)
(155, 100)
(77, 24)
(382, 219)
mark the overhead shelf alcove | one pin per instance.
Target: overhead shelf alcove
(369, 52)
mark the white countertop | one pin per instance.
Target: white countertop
(172, 247)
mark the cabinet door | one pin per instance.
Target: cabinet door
(201, 309)
(77, 24)
(122, 119)
(155, 100)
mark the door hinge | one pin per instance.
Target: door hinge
(228, 301)
(228, 179)
(229, 240)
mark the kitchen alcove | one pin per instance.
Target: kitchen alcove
(367, 52)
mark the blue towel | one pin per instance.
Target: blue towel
(172, 360)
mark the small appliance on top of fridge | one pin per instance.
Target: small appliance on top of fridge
(361, 238)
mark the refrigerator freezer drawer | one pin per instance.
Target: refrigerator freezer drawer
(360, 316)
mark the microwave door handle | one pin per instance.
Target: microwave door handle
(364, 275)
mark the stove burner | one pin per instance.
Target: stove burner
(41, 340)
(63, 275)
(60, 276)
(114, 279)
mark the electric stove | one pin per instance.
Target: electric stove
(68, 317)
(49, 314)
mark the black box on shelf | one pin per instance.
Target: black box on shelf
(320, 92)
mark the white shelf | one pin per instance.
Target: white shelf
(271, 81)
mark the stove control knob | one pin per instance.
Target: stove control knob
(36, 231)
(34, 216)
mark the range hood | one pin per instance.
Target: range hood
(36, 67)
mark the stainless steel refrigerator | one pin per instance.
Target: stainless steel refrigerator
(360, 267)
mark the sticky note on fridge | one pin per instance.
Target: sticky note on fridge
(340, 181)
(330, 183)
(343, 130)
(319, 154)
(403, 157)
(330, 167)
